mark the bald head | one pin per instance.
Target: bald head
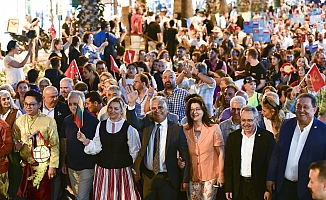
(50, 97)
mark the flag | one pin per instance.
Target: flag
(78, 117)
(129, 56)
(317, 80)
(72, 70)
(114, 67)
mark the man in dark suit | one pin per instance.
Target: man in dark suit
(57, 110)
(302, 140)
(247, 154)
(157, 159)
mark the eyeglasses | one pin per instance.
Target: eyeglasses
(31, 105)
(195, 109)
(265, 101)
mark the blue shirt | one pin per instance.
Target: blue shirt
(99, 38)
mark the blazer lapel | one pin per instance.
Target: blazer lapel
(310, 140)
(168, 137)
(257, 144)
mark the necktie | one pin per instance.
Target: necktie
(156, 152)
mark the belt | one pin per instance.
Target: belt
(246, 179)
(293, 183)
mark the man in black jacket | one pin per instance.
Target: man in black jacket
(157, 159)
(247, 154)
(57, 110)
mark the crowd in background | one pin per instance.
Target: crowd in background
(201, 107)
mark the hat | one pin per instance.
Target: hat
(249, 79)
(216, 29)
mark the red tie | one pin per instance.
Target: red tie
(113, 127)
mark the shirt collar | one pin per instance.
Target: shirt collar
(164, 123)
(307, 128)
(253, 135)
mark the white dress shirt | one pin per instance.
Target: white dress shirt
(95, 145)
(48, 112)
(247, 147)
(150, 147)
(298, 141)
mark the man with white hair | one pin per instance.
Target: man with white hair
(79, 165)
(234, 122)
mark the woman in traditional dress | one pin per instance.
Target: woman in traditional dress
(9, 112)
(116, 144)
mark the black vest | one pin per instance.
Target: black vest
(115, 150)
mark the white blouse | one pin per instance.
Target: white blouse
(95, 145)
(13, 75)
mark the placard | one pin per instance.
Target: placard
(261, 35)
(13, 25)
(320, 27)
(298, 19)
(314, 19)
(249, 26)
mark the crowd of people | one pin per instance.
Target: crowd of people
(200, 113)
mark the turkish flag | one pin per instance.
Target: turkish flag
(316, 78)
(72, 70)
(114, 67)
(129, 56)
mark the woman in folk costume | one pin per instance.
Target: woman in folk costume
(10, 112)
(116, 144)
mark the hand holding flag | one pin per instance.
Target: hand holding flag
(316, 79)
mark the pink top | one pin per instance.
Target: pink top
(203, 156)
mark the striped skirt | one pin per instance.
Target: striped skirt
(114, 184)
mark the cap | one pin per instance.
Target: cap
(249, 79)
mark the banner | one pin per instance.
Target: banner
(298, 19)
(249, 26)
(314, 19)
(261, 35)
(320, 27)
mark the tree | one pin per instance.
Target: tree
(90, 15)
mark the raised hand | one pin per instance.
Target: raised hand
(132, 95)
(150, 91)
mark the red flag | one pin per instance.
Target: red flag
(129, 56)
(114, 67)
(316, 78)
(72, 70)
